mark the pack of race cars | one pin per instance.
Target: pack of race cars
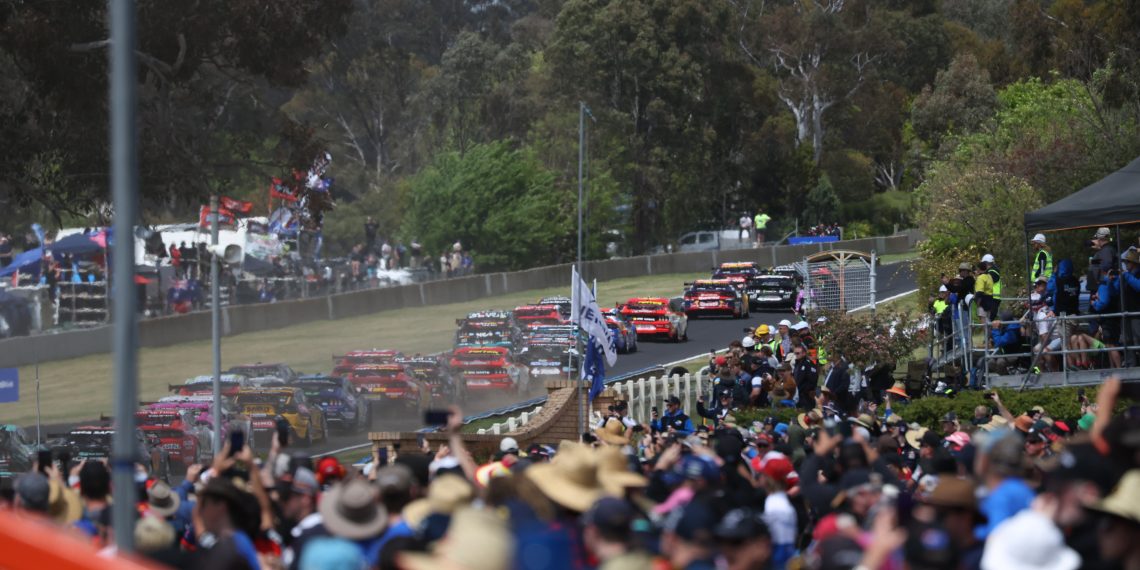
(495, 352)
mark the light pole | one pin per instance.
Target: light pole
(124, 193)
(216, 323)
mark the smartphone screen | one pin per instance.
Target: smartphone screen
(420, 440)
(237, 441)
(43, 460)
(436, 417)
(282, 431)
(383, 457)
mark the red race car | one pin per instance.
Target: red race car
(530, 316)
(176, 435)
(391, 385)
(344, 364)
(715, 296)
(483, 369)
(656, 317)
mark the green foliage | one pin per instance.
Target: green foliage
(745, 417)
(822, 203)
(864, 338)
(499, 202)
(961, 100)
(1059, 403)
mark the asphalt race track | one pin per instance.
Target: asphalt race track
(893, 279)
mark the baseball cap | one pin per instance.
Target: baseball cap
(776, 467)
(988, 258)
(1039, 238)
(1102, 233)
(34, 491)
(739, 525)
(611, 514)
(693, 522)
(720, 360)
(802, 325)
(673, 400)
(943, 289)
(304, 482)
(396, 478)
(950, 417)
(695, 467)
(509, 445)
(965, 266)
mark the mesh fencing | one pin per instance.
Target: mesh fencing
(836, 285)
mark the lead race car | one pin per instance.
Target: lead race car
(775, 290)
(715, 296)
(487, 328)
(656, 317)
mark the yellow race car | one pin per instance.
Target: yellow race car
(264, 406)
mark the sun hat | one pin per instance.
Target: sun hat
(1124, 501)
(613, 433)
(810, 418)
(1131, 256)
(1038, 238)
(351, 510)
(955, 493)
(161, 500)
(614, 472)
(899, 389)
(153, 534)
(475, 540)
(1028, 540)
(914, 437)
(570, 479)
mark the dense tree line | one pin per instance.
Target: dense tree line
(863, 112)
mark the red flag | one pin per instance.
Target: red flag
(278, 189)
(225, 217)
(238, 206)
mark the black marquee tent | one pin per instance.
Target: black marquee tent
(1113, 200)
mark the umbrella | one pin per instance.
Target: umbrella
(25, 260)
(79, 244)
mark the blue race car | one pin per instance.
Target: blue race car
(342, 405)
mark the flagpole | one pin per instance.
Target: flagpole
(578, 265)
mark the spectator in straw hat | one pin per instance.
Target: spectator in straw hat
(1120, 535)
(613, 433)
(475, 540)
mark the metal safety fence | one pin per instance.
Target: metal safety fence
(645, 394)
(841, 283)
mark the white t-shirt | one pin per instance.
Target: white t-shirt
(780, 517)
(745, 222)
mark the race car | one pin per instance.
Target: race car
(260, 370)
(656, 317)
(17, 451)
(483, 369)
(530, 316)
(486, 328)
(344, 408)
(625, 334)
(548, 359)
(178, 434)
(433, 371)
(307, 423)
(343, 364)
(775, 290)
(715, 296)
(564, 304)
(200, 409)
(204, 385)
(93, 442)
(391, 385)
(743, 276)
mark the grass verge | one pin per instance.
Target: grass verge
(81, 388)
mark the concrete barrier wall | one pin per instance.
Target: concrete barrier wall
(243, 319)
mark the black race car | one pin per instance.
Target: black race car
(17, 451)
(775, 290)
(93, 442)
(259, 370)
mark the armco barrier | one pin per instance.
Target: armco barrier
(240, 319)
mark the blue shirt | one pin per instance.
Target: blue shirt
(1007, 499)
(245, 549)
(397, 530)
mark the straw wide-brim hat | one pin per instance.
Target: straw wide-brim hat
(815, 416)
(415, 512)
(914, 437)
(162, 500)
(570, 479)
(1124, 501)
(351, 510)
(614, 473)
(448, 493)
(613, 433)
(475, 540)
(899, 389)
(994, 423)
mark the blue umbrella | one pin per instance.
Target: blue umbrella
(30, 258)
(79, 244)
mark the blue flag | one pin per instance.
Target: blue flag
(595, 368)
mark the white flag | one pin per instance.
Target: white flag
(586, 314)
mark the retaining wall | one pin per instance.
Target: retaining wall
(240, 319)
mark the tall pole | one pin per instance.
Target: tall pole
(216, 322)
(124, 190)
(578, 265)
